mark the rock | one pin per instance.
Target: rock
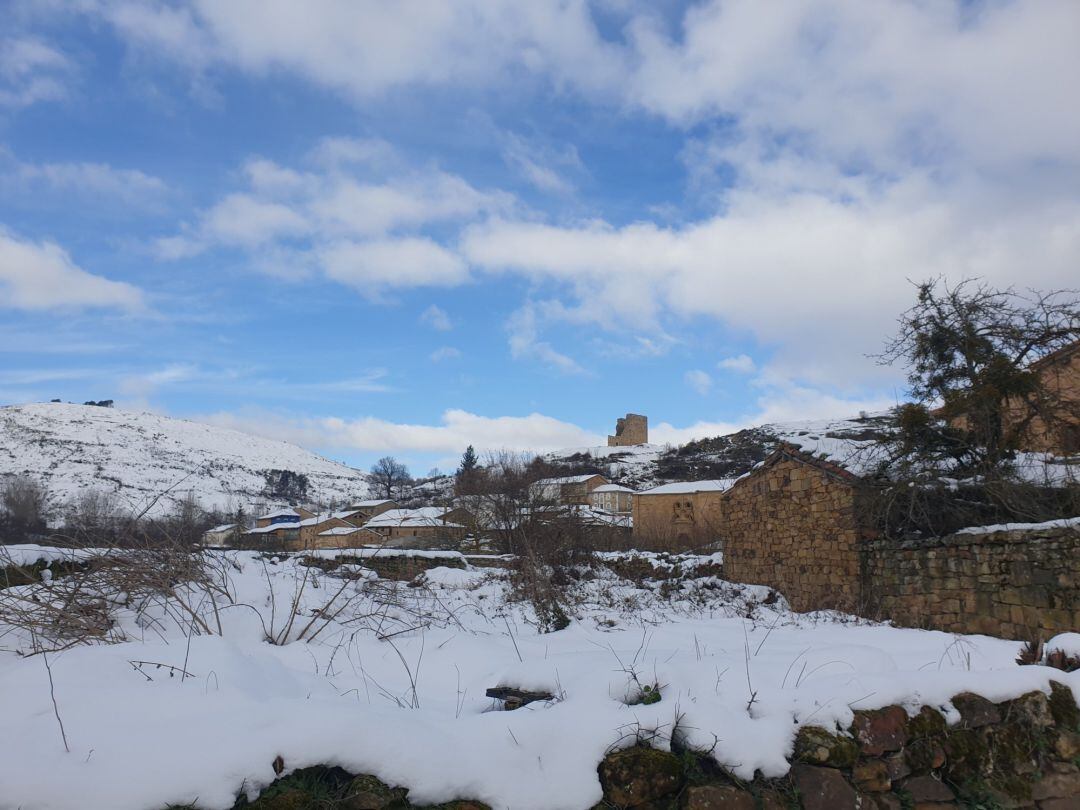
(636, 776)
(291, 799)
(928, 789)
(1063, 707)
(368, 793)
(927, 723)
(881, 801)
(975, 710)
(1067, 745)
(823, 788)
(816, 746)
(1060, 804)
(771, 800)
(1031, 709)
(968, 755)
(719, 797)
(1063, 782)
(880, 731)
(896, 766)
(871, 776)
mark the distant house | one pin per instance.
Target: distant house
(568, 490)
(219, 535)
(427, 525)
(280, 535)
(683, 515)
(612, 498)
(366, 510)
(285, 515)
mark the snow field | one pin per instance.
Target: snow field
(393, 685)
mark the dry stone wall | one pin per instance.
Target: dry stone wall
(1014, 584)
(1016, 753)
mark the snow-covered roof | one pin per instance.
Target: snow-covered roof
(566, 479)
(423, 516)
(224, 527)
(370, 504)
(274, 527)
(688, 487)
(613, 488)
(338, 531)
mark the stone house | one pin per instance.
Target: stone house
(364, 511)
(1059, 377)
(280, 535)
(680, 516)
(347, 537)
(312, 528)
(568, 490)
(612, 498)
(428, 525)
(796, 523)
(219, 535)
(630, 430)
(1059, 373)
(286, 515)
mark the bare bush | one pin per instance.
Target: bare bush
(24, 507)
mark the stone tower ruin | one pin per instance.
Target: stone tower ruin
(631, 429)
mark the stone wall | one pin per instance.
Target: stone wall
(793, 525)
(1017, 753)
(1014, 584)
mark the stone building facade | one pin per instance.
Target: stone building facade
(629, 430)
(793, 523)
(1059, 374)
(1016, 582)
(679, 517)
(612, 498)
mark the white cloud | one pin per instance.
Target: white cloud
(741, 363)
(336, 219)
(126, 185)
(821, 279)
(366, 48)
(525, 342)
(543, 166)
(699, 381)
(406, 262)
(456, 430)
(42, 276)
(31, 71)
(445, 353)
(142, 385)
(437, 318)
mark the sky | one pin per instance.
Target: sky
(404, 227)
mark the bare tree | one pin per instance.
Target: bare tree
(389, 476)
(972, 355)
(24, 503)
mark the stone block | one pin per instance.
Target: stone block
(823, 788)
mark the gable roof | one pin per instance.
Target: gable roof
(791, 452)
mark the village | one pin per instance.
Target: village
(558, 405)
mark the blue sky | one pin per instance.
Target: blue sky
(401, 228)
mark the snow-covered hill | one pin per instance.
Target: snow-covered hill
(849, 442)
(140, 455)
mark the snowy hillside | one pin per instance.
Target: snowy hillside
(140, 455)
(849, 442)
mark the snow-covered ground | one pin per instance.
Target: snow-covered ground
(140, 455)
(393, 684)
